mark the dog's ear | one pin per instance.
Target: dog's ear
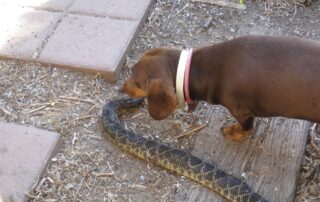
(162, 99)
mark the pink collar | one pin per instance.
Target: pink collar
(186, 79)
(182, 80)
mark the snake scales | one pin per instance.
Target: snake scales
(181, 162)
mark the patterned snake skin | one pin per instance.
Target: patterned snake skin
(172, 159)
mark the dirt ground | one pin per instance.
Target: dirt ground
(88, 168)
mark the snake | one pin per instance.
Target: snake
(170, 158)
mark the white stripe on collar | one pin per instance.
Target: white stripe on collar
(180, 77)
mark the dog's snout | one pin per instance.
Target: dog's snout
(123, 88)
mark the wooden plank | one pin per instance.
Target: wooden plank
(271, 169)
(223, 3)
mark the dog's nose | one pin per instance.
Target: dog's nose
(123, 88)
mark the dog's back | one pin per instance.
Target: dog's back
(280, 75)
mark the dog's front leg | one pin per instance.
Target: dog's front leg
(241, 130)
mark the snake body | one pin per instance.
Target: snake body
(181, 162)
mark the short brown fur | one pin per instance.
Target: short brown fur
(252, 76)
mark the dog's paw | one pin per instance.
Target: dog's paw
(235, 133)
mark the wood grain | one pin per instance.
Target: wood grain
(269, 161)
(223, 3)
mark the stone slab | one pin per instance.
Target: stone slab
(58, 5)
(90, 43)
(23, 30)
(122, 9)
(84, 35)
(24, 154)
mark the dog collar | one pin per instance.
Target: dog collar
(182, 79)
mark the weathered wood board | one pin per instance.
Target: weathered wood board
(271, 169)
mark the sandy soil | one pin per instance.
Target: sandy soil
(88, 168)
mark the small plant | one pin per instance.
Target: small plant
(241, 2)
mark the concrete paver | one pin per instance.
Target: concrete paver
(24, 154)
(84, 35)
(58, 5)
(122, 9)
(23, 30)
(91, 43)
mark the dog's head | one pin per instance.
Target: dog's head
(152, 78)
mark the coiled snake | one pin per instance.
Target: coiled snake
(175, 160)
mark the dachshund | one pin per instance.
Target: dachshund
(252, 76)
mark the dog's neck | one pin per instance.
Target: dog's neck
(202, 82)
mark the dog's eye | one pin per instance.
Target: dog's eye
(137, 84)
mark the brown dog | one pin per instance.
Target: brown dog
(251, 76)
